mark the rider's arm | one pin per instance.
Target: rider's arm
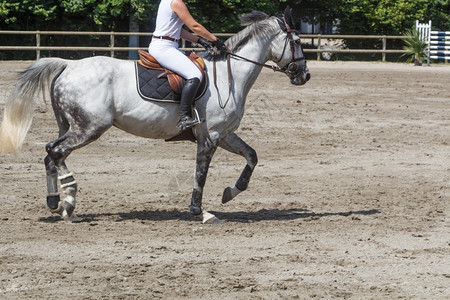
(186, 35)
(183, 13)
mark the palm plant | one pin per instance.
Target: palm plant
(415, 47)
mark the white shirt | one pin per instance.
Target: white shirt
(167, 22)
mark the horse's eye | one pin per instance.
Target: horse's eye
(298, 42)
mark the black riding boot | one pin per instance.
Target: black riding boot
(187, 97)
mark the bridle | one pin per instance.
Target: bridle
(291, 69)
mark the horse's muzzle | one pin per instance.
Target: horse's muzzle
(301, 78)
(298, 73)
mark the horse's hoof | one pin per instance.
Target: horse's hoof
(195, 210)
(209, 218)
(65, 210)
(58, 210)
(227, 195)
(67, 218)
(53, 202)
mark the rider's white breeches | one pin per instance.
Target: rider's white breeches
(169, 56)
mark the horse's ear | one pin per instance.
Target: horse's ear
(288, 17)
(287, 12)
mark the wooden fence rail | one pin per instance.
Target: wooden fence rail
(315, 38)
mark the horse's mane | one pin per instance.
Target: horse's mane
(257, 25)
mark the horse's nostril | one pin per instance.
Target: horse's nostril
(308, 76)
(292, 68)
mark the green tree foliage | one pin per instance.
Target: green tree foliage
(380, 16)
(315, 11)
(222, 15)
(356, 16)
(68, 15)
(439, 12)
(390, 17)
(73, 14)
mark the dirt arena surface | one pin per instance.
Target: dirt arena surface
(350, 200)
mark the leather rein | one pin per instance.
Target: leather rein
(290, 69)
(285, 69)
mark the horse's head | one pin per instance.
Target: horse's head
(286, 50)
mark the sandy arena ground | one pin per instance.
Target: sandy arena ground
(350, 200)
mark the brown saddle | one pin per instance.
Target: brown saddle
(176, 81)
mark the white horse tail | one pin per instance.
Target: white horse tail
(19, 106)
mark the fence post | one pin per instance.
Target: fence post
(429, 44)
(425, 35)
(383, 55)
(38, 45)
(318, 46)
(111, 42)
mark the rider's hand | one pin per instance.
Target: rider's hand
(219, 45)
(204, 42)
(218, 49)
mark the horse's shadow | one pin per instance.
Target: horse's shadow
(236, 217)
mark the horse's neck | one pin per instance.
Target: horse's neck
(246, 73)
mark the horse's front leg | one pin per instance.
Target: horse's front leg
(206, 147)
(235, 144)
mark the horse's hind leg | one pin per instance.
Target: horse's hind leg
(53, 197)
(235, 144)
(68, 184)
(58, 151)
(83, 115)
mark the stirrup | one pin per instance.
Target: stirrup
(194, 122)
(197, 117)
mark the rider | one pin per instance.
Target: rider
(172, 15)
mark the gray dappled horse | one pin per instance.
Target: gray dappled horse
(90, 95)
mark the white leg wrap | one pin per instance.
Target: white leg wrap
(65, 176)
(70, 199)
(68, 215)
(63, 186)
